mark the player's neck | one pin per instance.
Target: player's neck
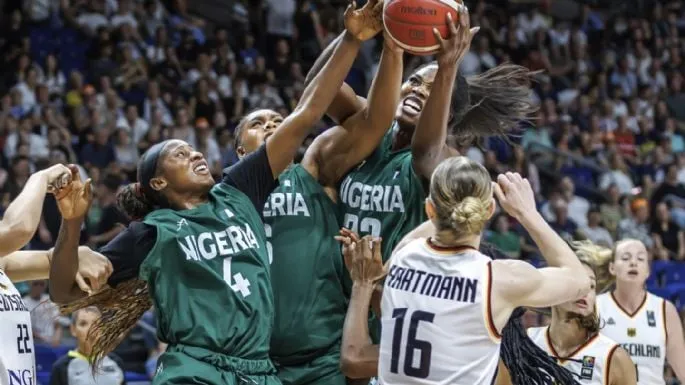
(630, 297)
(402, 136)
(447, 239)
(565, 334)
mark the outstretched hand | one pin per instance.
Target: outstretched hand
(366, 22)
(514, 194)
(363, 257)
(458, 42)
(74, 200)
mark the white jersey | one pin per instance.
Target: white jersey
(436, 321)
(17, 364)
(642, 334)
(589, 363)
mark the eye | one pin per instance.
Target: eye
(414, 82)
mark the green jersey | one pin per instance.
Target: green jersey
(208, 275)
(307, 268)
(383, 196)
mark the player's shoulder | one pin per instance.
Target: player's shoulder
(61, 364)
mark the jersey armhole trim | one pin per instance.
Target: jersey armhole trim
(490, 323)
(607, 372)
(663, 320)
(144, 263)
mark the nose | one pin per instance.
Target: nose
(420, 91)
(270, 126)
(195, 155)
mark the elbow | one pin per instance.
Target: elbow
(58, 296)
(350, 365)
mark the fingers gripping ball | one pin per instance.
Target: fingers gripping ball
(410, 23)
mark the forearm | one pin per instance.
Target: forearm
(431, 131)
(553, 248)
(26, 265)
(359, 357)
(65, 264)
(384, 93)
(22, 216)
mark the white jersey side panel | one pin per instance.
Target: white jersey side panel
(436, 322)
(590, 363)
(642, 334)
(17, 363)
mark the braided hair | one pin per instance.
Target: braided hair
(526, 362)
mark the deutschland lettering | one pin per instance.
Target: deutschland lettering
(11, 302)
(641, 350)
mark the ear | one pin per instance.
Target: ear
(430, 209)
(612, 270)
(158, 184)
(240, 151)
(492, 208)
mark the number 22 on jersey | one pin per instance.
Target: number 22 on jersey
(367, 225)
(412, 345)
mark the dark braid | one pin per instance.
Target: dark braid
(526, 362)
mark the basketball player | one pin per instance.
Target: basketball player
(200, 251)
(17, 227)
(383, 196)
(441, 284)
(573, 338)
(647, 326)
(310, 287)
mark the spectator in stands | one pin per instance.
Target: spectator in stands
(502, 237)
(636, 226)
(668, 237)
(594, 231)
(74, 368)
(45, 317)
(562, 224)
(112, 220)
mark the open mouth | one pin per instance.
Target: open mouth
(581, 303)
(632, 273)
(412, 105)
(268, 134)
(201, 168)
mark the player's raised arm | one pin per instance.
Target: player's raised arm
(337, 150)
(282, 146)
(358, 356)
(73, 203)
(428, 146)
(517, 283)
(22, 216)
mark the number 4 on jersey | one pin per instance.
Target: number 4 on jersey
(241, 284)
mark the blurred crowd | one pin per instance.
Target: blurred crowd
(96, 82)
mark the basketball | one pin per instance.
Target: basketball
(410, 23)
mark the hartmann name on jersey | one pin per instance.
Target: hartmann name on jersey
(434, 285)
(12, 302)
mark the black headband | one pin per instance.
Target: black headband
(148, 168)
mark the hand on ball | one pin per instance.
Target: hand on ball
(458, 41)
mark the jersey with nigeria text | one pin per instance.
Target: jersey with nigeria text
(17, 352)
(307, 268)
(383, 196)
(208, 275)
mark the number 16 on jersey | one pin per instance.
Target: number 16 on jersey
(412, 346)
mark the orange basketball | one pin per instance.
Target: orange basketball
(410, 23)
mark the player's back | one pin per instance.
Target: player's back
(642, 334)
(17, 354)
(436, 320)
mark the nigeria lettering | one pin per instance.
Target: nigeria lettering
(285, 204)
(376, 198)
(434, 285)
(208, 245)
(642, 350)
(12, 302)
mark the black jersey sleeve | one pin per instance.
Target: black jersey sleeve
(253, 176)
(128, 250)
(58, 374)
